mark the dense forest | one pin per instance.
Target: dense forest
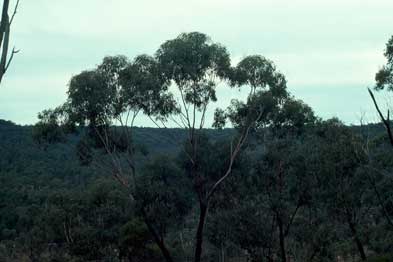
(260, 179)
(55, 208)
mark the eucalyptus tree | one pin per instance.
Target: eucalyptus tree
(195, 65)
(115, 92)
(175, 85)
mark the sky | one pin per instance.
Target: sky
(328, 50)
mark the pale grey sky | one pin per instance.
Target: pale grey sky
(328, 50)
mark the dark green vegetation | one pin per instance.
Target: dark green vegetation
(43, 189)
(54, 209)
(84, 184)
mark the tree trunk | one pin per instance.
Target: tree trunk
(357, 241)
(199, 235)
(160, 242)
(4, 21)
(282, 240)
(164, 251)
(4, 37)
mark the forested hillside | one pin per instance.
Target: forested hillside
(43, 187)
(53, 208)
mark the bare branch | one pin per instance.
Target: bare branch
(15, 11)
(386, 121)
(177, 122)
(14, 51)
(154, 122)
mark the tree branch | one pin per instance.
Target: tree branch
(15, 11)
(292, 218)
(386, 121)
(14, 51)
(234, 154)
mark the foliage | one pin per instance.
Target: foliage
(384, 77)
(41, 191)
